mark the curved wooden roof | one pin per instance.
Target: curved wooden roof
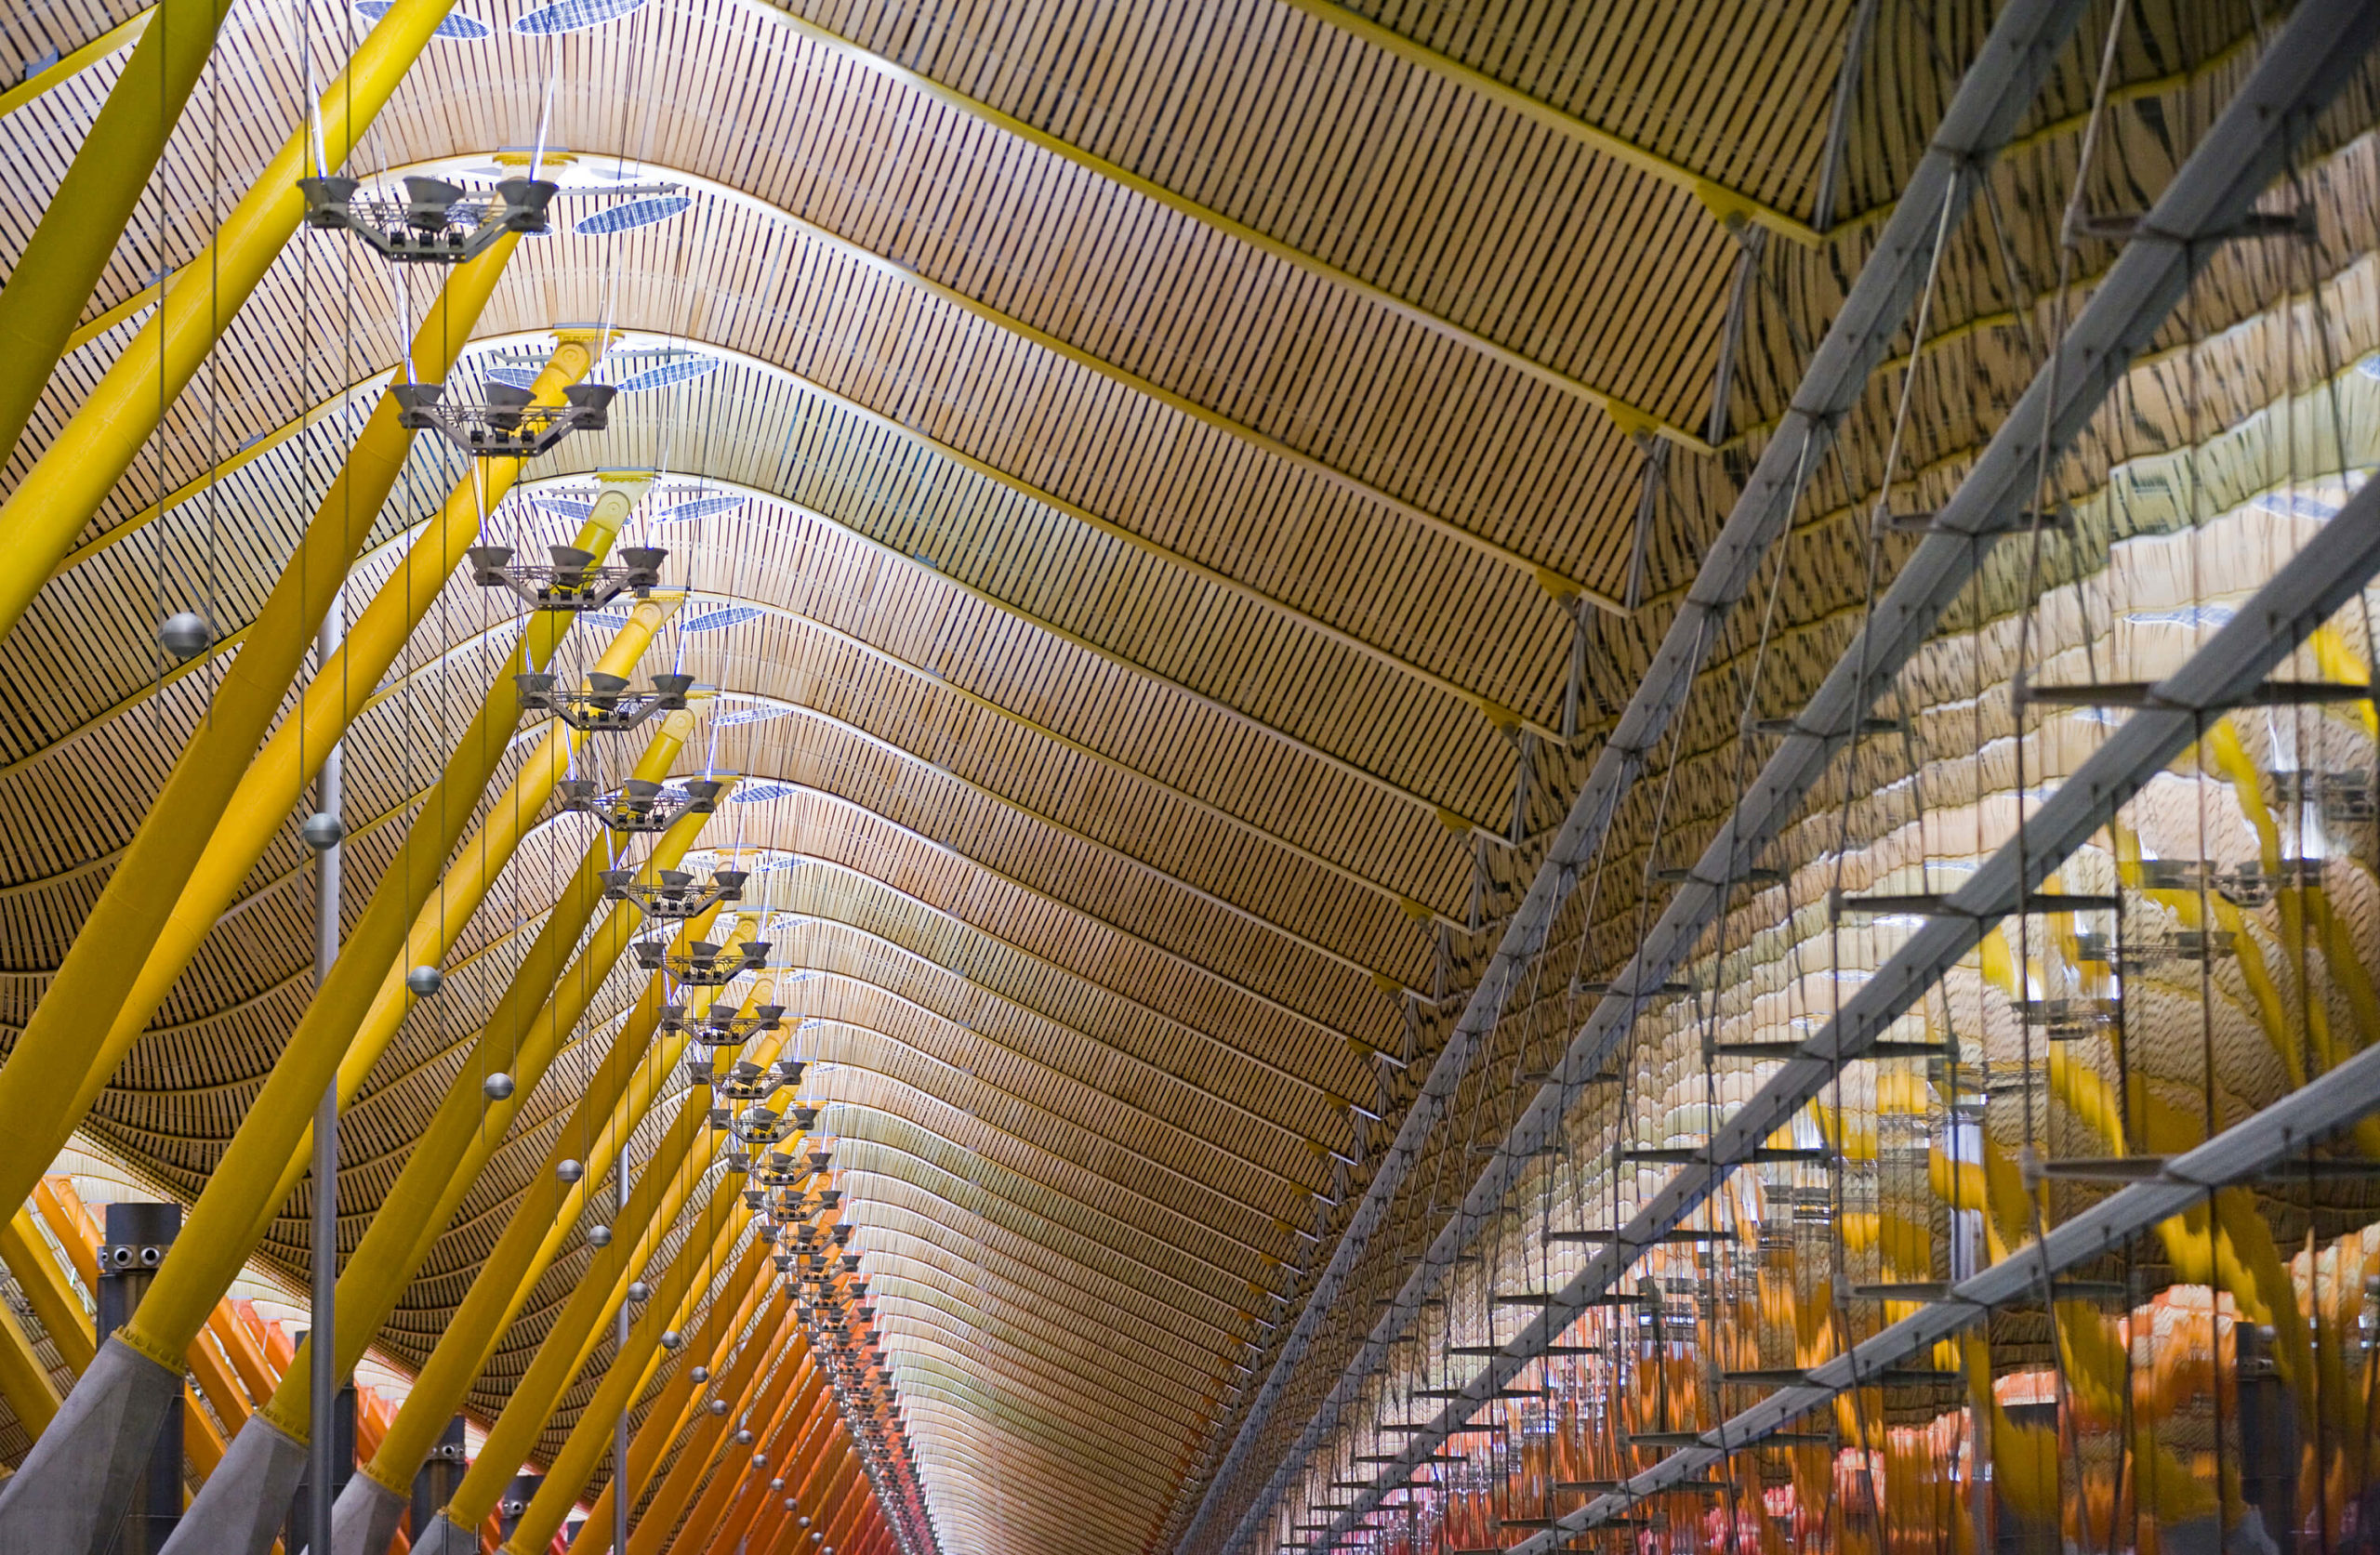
(1152, 464)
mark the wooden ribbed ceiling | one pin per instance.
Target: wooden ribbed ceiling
(1164, 447)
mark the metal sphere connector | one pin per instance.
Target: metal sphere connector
(497, 1087)
(185, 633)
(802, 1523)
(569, 1171)
(816, 1535)
(760, 1460)
(638, 1290)
(719, 1406)
(322, 831)
(743, 1438)
(701, 1374)
(671, 1338)
(425, 980)
(779, 1484)
(600, 1236)
(789, 1502)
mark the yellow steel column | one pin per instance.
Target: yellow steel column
(524, 1036)
(222, 1227)
(480, 861)
(680, 1402)
(63, 259)
(621, 1092)
(188, 858)
(797, 1397)
(24, 1381)
(53, 1300)
(742, 1385)
(653, 1206)
(75, 474)
(796, 1447)
(534, 1396)
(630, 1370)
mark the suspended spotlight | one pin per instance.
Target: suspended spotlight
(423, 982)
(746, 1082)
(185, 633)
(704, 964)
(674, 897)
(507, 423)
(497, 1087)
(605, 707)
(639, 805)
(760, 1125)
(322, 831)
(436, 223)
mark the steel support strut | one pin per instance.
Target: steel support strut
(1991, 104)
(82, 464)
(2308, 63)
(2332, 569)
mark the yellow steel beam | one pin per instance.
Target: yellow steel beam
(1627, 418)
(680, 1402)
(124, 34)
(539, 1011)
(630, 1368)
(740, 1384)
(70, 245)
(46, 1084)
(229, 1215)
(1722, 202)
(75, 474)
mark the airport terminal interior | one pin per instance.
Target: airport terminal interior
(1189, 777)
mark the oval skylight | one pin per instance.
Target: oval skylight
(517, 377)
(758, 712)
(754, 793)
(700, 507)
(458, 29)
(630, 214)
(666, 372)
(576, 510)
(573, 16)
(719, 620)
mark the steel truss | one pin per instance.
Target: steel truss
(2208, 202)
(1990, 105)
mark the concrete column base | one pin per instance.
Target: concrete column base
(442, 1537)
(241, 1508)
(365, 1519)
(79, 1475)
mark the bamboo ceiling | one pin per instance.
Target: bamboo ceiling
(1149, 460)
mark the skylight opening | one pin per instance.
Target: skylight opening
(573, 16)
(454, 28)
(664, 374)
(719, 620)
(632, 214)
(700, 507)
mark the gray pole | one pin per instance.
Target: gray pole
(322, 1373)
(620, 1431)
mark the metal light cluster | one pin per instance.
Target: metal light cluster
(675, 896)
(746, 1082)
(604, 705)
(705, 965)
(640, 804)
(504, 422)
(436, 223)
(571, 578)
(722, 1026)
